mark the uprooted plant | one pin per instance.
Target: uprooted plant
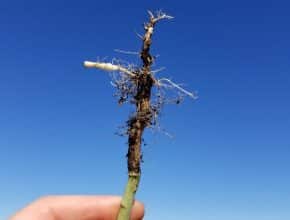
(134, 85)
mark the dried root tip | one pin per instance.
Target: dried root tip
(167, 83)
(127, 52)
(159, 16)
(108, 67)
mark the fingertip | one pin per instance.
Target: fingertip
(138, 211)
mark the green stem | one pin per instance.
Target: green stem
(128, 197)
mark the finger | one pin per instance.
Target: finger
(90, 207)
(83, 208)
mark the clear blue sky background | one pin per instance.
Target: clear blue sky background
(229, 158)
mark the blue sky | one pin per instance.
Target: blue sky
(229, 158)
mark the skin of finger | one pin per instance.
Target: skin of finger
(34, 211)
(77, 208)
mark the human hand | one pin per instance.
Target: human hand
(76, 208)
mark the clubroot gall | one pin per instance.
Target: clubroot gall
(135, 85)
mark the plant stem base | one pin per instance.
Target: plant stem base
(128, 197)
